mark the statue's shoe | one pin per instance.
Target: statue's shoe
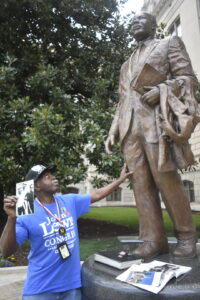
(151, 249)
(185, 249)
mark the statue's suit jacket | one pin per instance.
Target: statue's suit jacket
(135, 123)
(169, 57)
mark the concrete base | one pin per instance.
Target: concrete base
(12, 275)
(99, 281)
(11, 282)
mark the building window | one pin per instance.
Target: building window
(115, 195)
(175, 28)
(189, 189)
(71, 190)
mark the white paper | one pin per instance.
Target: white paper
(152, 276)
(25, 195)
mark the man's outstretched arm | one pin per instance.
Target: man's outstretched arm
(105, 191)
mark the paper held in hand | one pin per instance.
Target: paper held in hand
(25, 194)
(148, 76)
(152, 276)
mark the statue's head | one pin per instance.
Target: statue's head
(144, 26)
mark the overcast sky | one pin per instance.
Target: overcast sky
(132, 5)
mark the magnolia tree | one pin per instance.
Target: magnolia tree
(59, 68)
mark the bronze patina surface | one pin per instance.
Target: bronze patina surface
(155, 117)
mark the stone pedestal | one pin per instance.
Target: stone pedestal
(99, 281)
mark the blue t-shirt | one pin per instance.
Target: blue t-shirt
(46, 270)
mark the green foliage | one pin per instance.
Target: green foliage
(6, 262)
(59, 68)
(91, 246)
(161, 32)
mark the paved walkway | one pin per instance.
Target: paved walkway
(11, 282)
(195, 207)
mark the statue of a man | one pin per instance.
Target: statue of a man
(155, 117)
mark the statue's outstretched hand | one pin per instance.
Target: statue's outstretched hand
(152, 96)
(109, 143)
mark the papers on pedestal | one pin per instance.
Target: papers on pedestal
(152, 276)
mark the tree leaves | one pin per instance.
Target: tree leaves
(59, 69)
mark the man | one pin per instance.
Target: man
(54, 262)
(154, 120)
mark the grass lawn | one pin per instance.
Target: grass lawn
(119, 215)
(90, 246)
(128, 216)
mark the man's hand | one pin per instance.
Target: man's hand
(8, 243)
(125, 173)
(109, 143)
(152, 97)
(99, 194)
(10, 205)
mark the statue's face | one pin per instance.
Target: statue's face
(142, 27)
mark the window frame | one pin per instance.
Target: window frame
(115, 196)
(173, 28)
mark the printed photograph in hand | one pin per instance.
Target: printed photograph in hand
(25, 194)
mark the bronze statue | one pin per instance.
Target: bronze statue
(155, 117)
